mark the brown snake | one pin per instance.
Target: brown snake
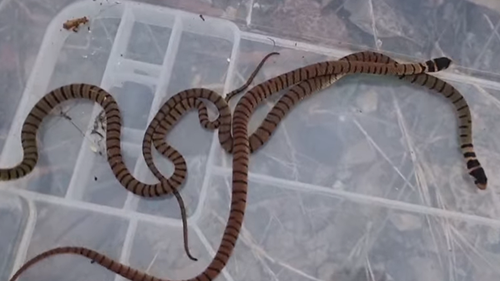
(238, 144)
(171, 153)
(296, 94)
(172, 110)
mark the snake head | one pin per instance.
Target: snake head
(442, 63)
(480, 176)
(438, 64)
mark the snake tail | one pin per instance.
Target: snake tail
(239, 145)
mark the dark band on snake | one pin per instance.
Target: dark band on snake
(236, 142)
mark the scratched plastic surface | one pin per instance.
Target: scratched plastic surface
(363, 181)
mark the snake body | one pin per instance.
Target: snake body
(172, 111)
(237, 142)
(298, 93)
(171, 153)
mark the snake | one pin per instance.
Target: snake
(181, 167)
(162, 121)
(237, 141)
(262, 134)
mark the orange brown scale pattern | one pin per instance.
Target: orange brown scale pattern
(167, 117)
(462, 110)
(240, 148)
(310, 86)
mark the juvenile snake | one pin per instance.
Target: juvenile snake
(174, 154)
(173, 109)
(238, 144)
(297, 93)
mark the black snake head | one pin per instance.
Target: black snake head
(438, 64)
(442, 63)
(476, 171)
(481, 180)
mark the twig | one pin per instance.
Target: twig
(272, 40)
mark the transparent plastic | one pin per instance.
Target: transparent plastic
(362, 181)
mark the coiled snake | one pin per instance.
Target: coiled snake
(296, 94)
(185, 100)
(309, 78)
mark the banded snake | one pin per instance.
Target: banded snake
(308, 77)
